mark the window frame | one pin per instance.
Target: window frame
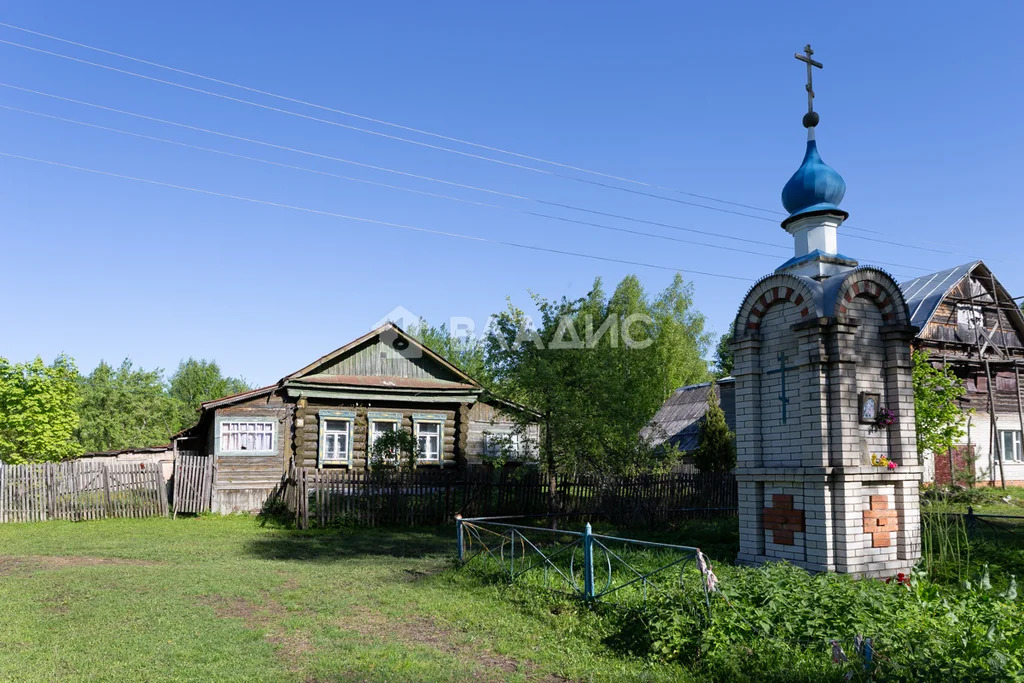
(432, 419)
(231, 419)
(516, 439)
(1017, 441)
(347, 416)
(373, 419)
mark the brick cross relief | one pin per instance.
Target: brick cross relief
(782, 520)
(880, 522)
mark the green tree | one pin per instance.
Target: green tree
(125, 407)
(37, 410)
(465, 352)
(939, 418)
(723, 356)
(394, 449)
(716, 444)
(597, 368)
(196, 381)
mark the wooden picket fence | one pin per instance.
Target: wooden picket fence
(193, 481)
(80, 490)
(322, 497)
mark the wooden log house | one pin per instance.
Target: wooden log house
(328, 414)
(967, 320)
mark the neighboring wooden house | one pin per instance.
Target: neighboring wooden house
(968, 321)
(677, 422)
(328, 414)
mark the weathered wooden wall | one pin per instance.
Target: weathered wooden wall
(307, 429)
(241, 482)
(377, 358)
(482, 419)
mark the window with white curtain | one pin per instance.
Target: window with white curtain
(243, 437)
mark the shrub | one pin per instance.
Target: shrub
(716, 446)
(778, 621)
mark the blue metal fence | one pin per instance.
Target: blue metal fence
(589, 565)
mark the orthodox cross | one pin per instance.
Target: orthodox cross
(781, 370)
(806, 58)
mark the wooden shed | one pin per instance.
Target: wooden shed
(328, 414)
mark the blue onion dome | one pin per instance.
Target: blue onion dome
(814, 187)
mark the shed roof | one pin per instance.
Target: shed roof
(678, 419)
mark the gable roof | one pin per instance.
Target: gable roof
(678, 419)
(386, 329)
(924, 294)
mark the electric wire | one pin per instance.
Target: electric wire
(384, 169)
(424, 132)
(383, 122)
(371, 221)
(378, 184)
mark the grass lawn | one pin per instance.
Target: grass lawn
(223, 598)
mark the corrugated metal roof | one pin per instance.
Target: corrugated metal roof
(925, 293)
(678, 419)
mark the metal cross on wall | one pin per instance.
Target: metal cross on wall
(781, 370)
(806, 58)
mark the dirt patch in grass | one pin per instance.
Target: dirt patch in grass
(253, 614)
(419, 630)
(291, 646)
(12, 564)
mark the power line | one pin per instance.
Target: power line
(398, 138)
(383, 122)
(388, 224)
(406, 189)
(388, 170)
(378, 184)
(424, 132)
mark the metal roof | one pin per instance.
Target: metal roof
(925, 293)
(678, 419)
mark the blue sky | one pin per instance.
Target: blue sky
(920, 107)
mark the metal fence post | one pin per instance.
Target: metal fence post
(459, 544)
(588, 563)
(971, 522)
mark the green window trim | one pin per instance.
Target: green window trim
(438, 419)
(218, 431)
(346, 416)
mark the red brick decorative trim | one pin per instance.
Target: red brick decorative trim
(782, 520)
(880, 522)
(885, 295)
(770, 297)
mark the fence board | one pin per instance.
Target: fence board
(323, 497)
(193, 478)
(79, 490)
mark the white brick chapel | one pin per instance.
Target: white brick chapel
(824, 400)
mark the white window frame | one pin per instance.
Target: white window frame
(418, 422)
(226, 421)
(374, 419)
(327, 416)
(1016, 445)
